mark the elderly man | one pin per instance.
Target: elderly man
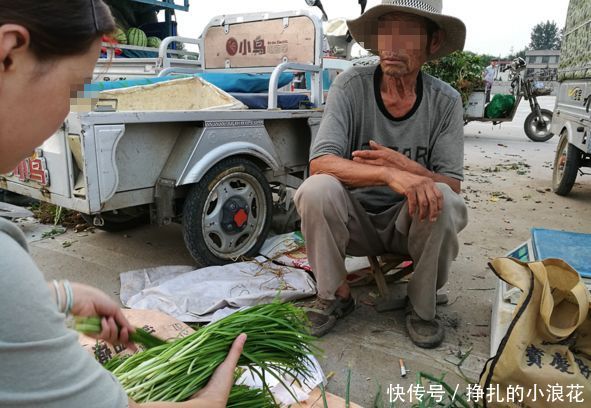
(387, 164)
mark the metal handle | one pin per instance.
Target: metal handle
(279, 69)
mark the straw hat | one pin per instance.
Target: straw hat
(364, 28)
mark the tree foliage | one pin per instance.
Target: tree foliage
(545, 36)
(520, 53)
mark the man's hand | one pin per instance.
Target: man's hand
(89, 301)
(383, 156)
(421, 192)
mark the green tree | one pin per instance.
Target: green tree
(520, 53)
(485, 59)
(545, 36)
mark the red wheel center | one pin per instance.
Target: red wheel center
(240, 218)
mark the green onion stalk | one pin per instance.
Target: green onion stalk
(278, 344)
(92, 325)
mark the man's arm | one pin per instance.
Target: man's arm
(383, 156)
(446, 157)
(348, 172)
(421, 192)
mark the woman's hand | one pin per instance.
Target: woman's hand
(216, 392)
(89, 301)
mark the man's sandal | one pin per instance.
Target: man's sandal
(424, 333)
(323, 314)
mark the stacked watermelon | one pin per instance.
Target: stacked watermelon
(120, 36)
(137, 37)
(154, 42)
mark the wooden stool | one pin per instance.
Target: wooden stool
(380, 266)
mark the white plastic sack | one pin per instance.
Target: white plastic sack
(194, 295)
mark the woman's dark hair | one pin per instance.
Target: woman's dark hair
(59, 28)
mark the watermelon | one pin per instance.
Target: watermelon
(137, 37)
(154, 42)
(120, 36)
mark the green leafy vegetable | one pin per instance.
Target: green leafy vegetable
(278, 345)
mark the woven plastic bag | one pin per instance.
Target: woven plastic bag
(548, 343)
(500, 106)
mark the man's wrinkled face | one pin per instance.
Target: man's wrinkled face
(403, 43)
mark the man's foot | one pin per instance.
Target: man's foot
(323, 314)
(423, 333)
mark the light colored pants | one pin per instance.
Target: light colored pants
(487, 89)
(335, 224)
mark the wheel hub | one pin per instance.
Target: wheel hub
(235, 212)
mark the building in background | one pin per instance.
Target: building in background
(542, 64)
(501, 74)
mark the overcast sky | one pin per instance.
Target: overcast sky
(494, 26)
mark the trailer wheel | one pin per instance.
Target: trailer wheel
(537, 131)
(566, 166)
(227, 215)
(120, 220)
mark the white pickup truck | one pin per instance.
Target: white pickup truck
(219, 172)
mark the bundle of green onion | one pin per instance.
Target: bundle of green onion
(278, 344)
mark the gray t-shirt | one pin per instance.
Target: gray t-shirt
(431, 133)
(41, 362)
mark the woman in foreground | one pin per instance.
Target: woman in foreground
(48, 50)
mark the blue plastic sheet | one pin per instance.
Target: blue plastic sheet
(284, 101)
(572, 247)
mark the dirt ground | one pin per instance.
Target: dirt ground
(507, 185)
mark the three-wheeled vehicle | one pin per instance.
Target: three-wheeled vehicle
(572, 118)
(219, 172)
(537, 125)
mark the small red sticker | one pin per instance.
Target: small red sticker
(232, 46)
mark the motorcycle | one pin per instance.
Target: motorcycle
(537, 125)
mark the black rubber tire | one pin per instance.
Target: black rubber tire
(530, 124)
(564, 174)
(194, 211)
(121, 221)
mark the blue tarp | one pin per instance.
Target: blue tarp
(572, 247)
(284, 101)
(229, 82)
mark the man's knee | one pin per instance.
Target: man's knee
(454, 210)
(317, 191)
